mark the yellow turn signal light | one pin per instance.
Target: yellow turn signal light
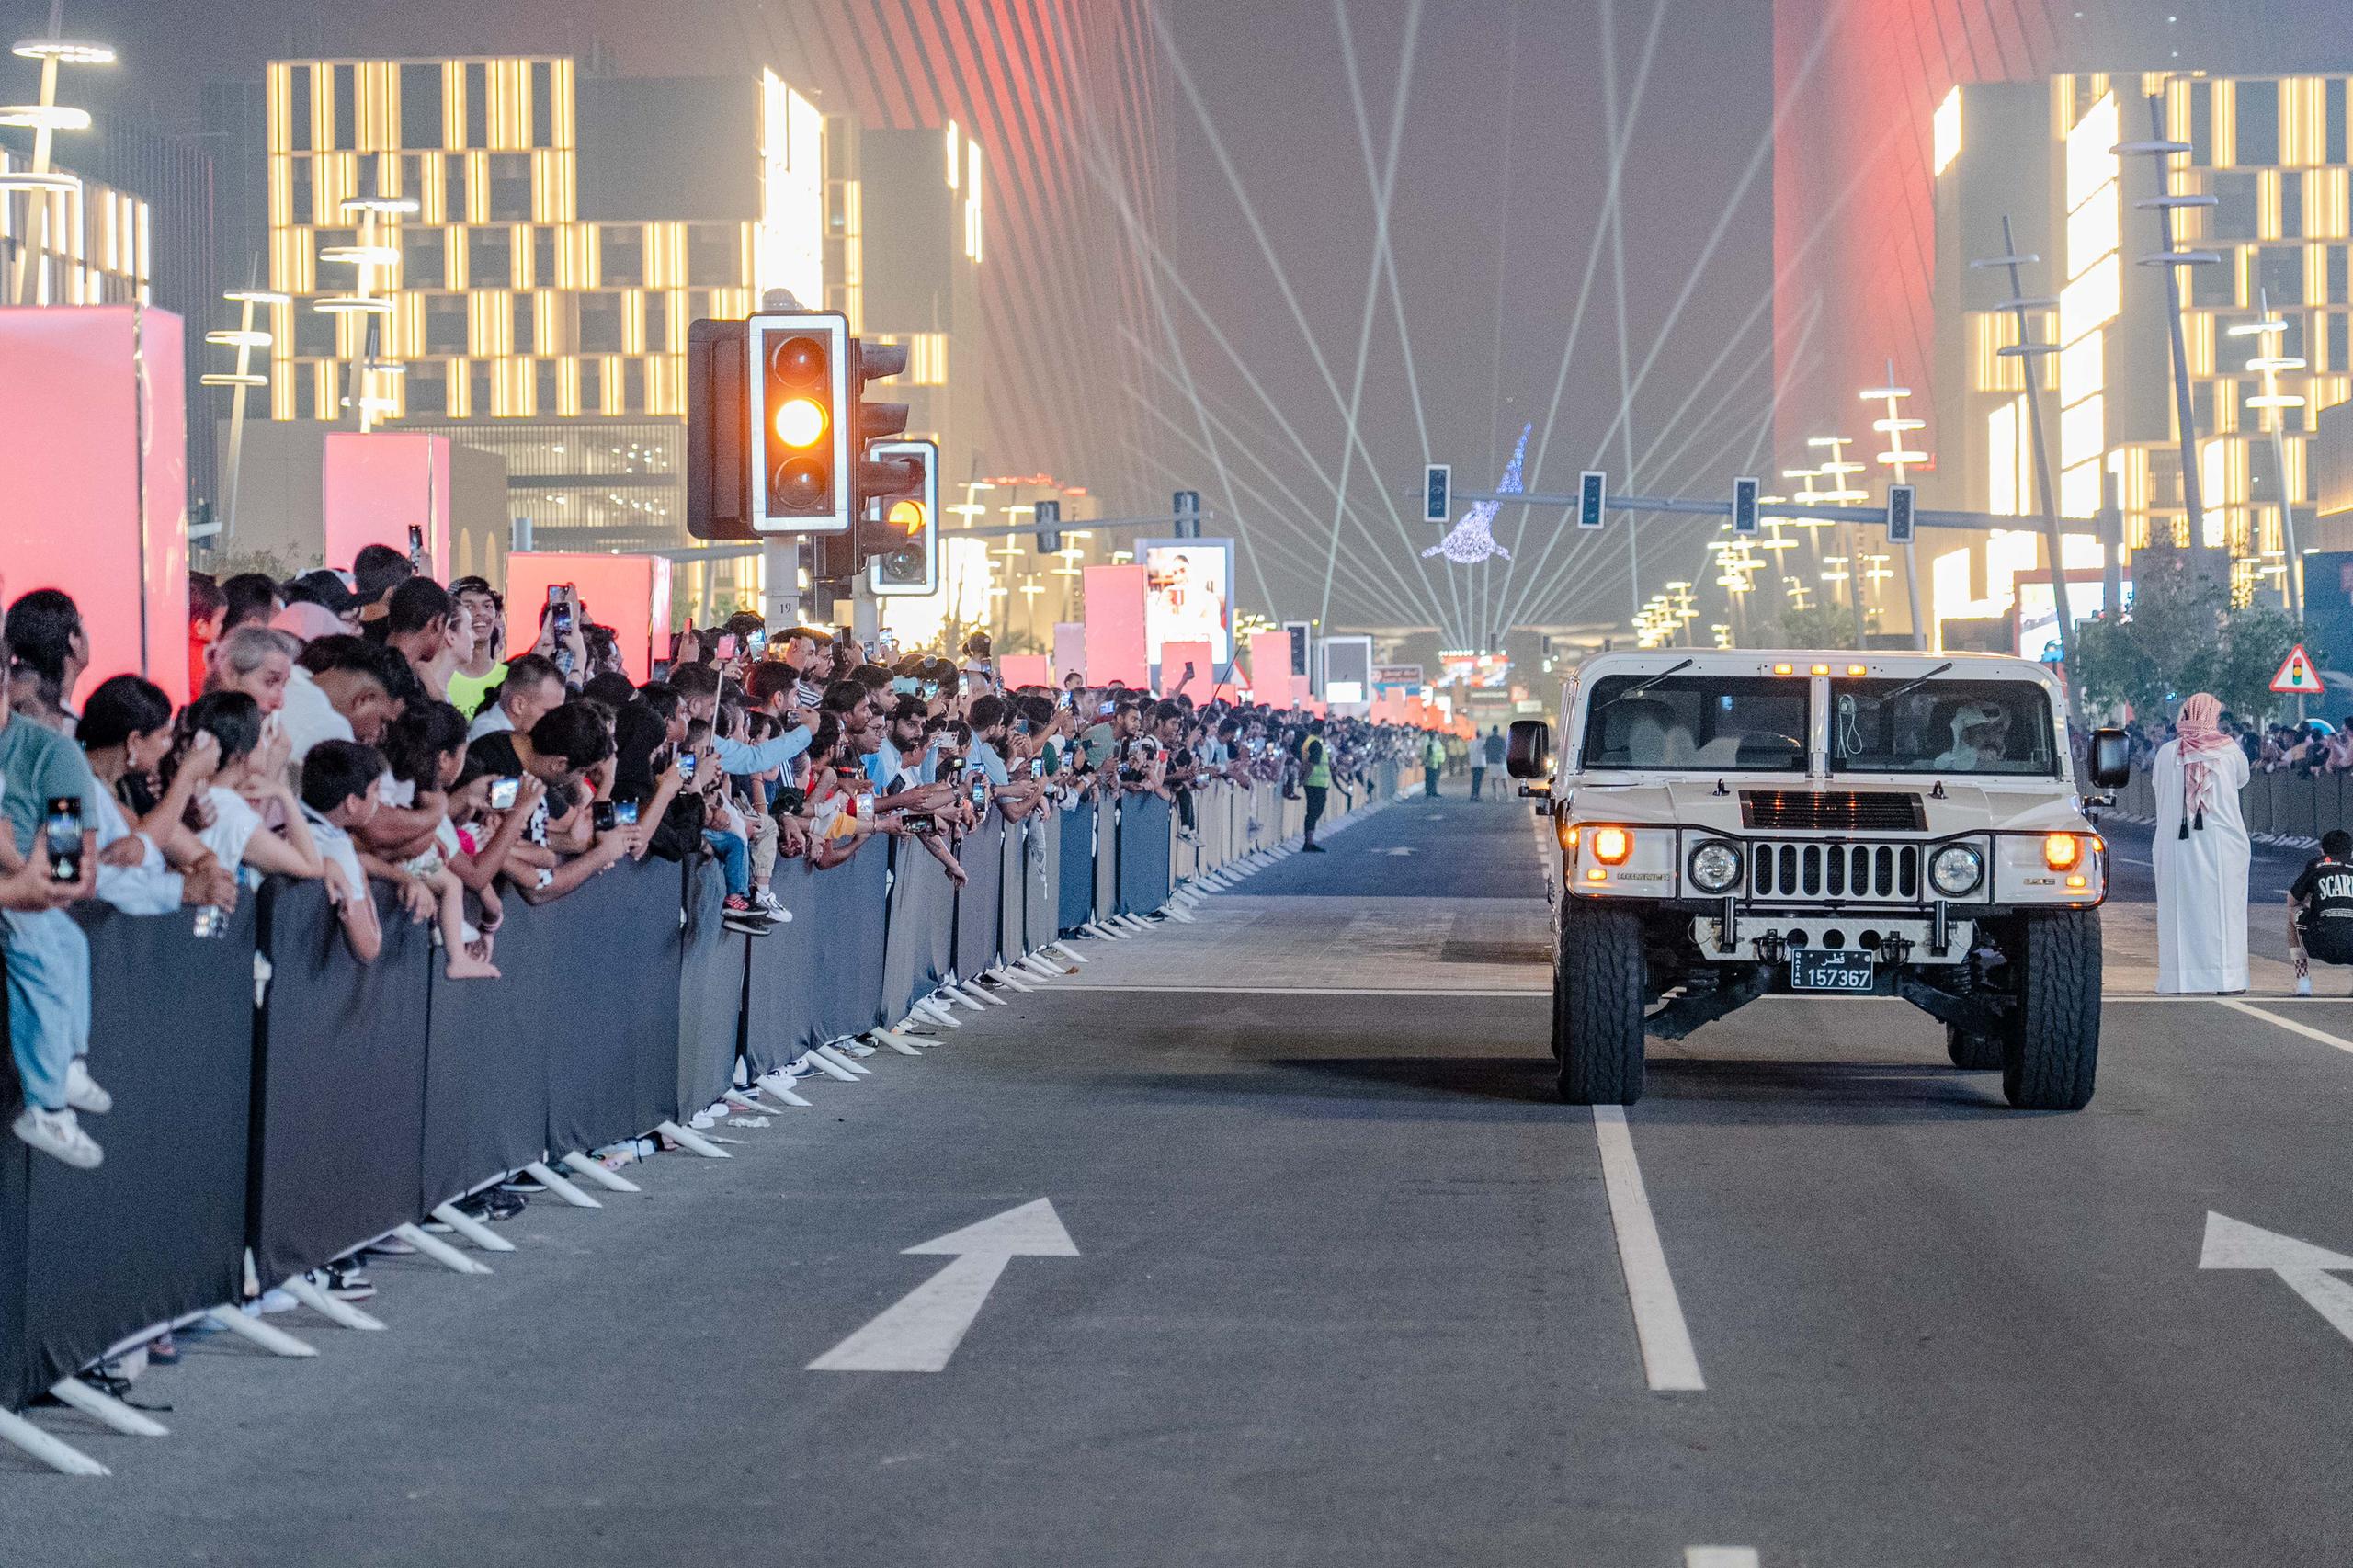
(1595, 874)
(2061, 851)
(1822, 669)
(1566, 834)
(1784, 669)
(1612, 845)
(800, 422)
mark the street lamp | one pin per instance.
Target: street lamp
(245, 337)
(2157, 149)
(374, 252)
(2274, 405)
(41, 183)
(1843, 492)
(1898, 428)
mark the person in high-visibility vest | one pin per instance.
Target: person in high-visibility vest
(1315, 777)
(1433, 759)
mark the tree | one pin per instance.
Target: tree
(2181, 636)
(1815, 626)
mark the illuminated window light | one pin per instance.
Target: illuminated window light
(1945, 131)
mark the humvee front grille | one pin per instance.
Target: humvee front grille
(1874, 873)
(1832, 811)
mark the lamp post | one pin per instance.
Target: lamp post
(1897, 426)
(1843, 492)
(2157, 149)
(41, 182)
(2274, 405)
(374, 252)
(245, 337)
(2030, 353)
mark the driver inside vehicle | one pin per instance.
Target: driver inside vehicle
(1980, 738)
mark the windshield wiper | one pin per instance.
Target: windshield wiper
(1644, 688)
(1886, 697)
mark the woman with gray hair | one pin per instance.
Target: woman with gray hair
(256, 661)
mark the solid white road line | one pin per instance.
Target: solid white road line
(1720, 1557)
(2339, 1041)
(1668, 1360)
(1308, 989)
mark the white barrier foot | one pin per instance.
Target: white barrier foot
(1040, 966)
(896, 1041)
(106, 1410)
(1068, 952)
(1176, 911)
(473, 1230)
(538, 1171)
(969, 997)
(855, 1068)
(830, 1069)
(938, 1013)
(1007, 977)
(780, 1086)
(975, 992)
(253, 1331)
(691, 1142)
(56, 1453)
(342, 1313)
(439, 1251)
(594, 1169)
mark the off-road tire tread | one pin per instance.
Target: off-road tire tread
(1597, 1011)
(2051, 1055)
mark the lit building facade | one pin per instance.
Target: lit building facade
(566, 229)
(2268, 169)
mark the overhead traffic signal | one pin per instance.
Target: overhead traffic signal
(878, 476)
(903, 547)
(1437, 492)
(1902, 502)
(1592, 492)
(1744, 506)
(1187, 504)
(1049, 519)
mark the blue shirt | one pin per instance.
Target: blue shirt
(39, 766)
(879, 768)
(985, 759)
(743, 761)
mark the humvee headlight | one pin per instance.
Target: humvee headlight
(1715, 868)
(1957, 869)
(2059, 851)
(1612, 845)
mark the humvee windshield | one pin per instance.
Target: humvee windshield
(1943, 726)
(1696, 722)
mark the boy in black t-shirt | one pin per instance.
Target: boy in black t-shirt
(2320, 923)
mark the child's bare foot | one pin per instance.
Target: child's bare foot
(480, 948)
(465, 966)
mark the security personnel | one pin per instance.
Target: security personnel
(1433, 759)
(1315, 777)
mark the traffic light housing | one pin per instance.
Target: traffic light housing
(1188, 505)
(1437, 492)
(719, 494)
(878, 475)
(1047, 515)
(903, 547)
(1592, 493)
(1902, 503)
(798, 377)
(1744, 506)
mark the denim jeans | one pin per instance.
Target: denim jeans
(49, 1000)
(735, 858)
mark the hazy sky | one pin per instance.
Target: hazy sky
(1498, 189)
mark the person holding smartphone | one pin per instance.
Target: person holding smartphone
(48, 798)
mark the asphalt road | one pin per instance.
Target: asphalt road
(1351, 1287)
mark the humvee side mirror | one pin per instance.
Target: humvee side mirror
(1529, 753)
(2112, 759)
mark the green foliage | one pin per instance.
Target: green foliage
(1816, 626)
(226, 563)
(2183, 636)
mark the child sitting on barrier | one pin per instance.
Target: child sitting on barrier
(427, 747)
(339, 779)
(2320, 909)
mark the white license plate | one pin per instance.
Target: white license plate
(1829, 972)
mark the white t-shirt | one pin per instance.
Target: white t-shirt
(491, 720)
(234, 823)
(149, 888)
(336, 848)
(308, 717)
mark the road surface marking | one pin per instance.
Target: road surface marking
(2339, 1041)
(1304, 990)
(2302, 1267)
(1718, 1557)
(920, 1331)
(1668, 1361)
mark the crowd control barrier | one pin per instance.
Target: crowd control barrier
(2287, 807)
(279, 1104)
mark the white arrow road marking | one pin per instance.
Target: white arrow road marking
(2302, 1267)
(1670, 1362)
(920, 1331)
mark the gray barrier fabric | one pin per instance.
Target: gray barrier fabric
(358, 1097)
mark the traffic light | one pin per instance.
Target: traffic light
(878, 476)
(1437, 492)
(1187, 504)
(1901, 504)
(1592, 492)
(719, 469)
(903, 547)
(800, 365)
(1049, 519)
(1744, 506)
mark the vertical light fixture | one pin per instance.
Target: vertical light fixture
(1898, 458)
(42, 185)
(245, 337)
(377, 252)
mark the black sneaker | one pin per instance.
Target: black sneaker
(521, 1181)
(344, 1282)
(1311, 849)
(498, 1207)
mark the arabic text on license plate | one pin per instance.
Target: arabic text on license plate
(1829, 972)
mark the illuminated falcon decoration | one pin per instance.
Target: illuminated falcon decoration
(1473, 539)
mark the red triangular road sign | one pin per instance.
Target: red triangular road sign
(2297, 677)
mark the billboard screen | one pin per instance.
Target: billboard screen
(1189, 593)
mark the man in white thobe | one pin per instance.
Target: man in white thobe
(2202, 857)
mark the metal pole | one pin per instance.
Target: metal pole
(2185, 410)
(2292, 579)
(2033, 365)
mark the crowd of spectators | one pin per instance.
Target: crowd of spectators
(424, 754)
(2305, 747)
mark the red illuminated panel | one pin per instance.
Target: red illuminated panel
(629, 593)
(1174, 657)
(375, 486)
(1018, 670)
(1270, 667)
(1115, 644)
(95, 478)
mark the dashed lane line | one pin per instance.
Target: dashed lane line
(1670, 1362)
(1720, 1557)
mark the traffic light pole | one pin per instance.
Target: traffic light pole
(780, 580)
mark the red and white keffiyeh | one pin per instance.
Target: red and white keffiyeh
(2199, 732)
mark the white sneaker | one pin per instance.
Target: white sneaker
(83, 1093)
(2304, 986)
(58, 1134)
(765, 901)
